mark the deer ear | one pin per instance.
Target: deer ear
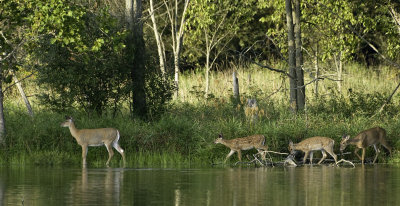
(290, 142)
(220, 135)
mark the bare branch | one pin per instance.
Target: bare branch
(347, 161)
(26, 77)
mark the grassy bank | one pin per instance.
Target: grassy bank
(184, 134)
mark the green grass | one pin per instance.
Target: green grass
(183, 136)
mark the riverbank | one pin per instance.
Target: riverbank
(185, 132)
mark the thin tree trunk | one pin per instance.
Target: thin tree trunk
(301, 89)
(177, 32)
(176, 48)
(292, 57)
(161, 52)
(207, 74)
(316, 71)
(208, 51)
(388, 99)
(21, 91)
(235, 87)
(2, 121)
(339, 70)
(396, 17)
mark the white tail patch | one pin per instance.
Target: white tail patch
(116, 145)
(116, 139)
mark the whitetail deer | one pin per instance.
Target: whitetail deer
(309, 145)
(95, 137)
(243, 143)
(364, 139)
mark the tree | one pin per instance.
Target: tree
(300, 88)
(321, 29)
(211, 27)
(18, 26)
(177, 33)
(292, 57)
(136, 51)
(158, 38)
(82, 62)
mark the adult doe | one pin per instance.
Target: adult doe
(309, 145)
(243, 143)
(95, 137)
(366, 138)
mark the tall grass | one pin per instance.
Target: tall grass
(184, 134)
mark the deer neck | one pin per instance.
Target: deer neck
(353, 141)
(74, 131)
(226, 142)
(297, 146)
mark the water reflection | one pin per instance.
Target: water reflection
(96, 186)
(307, 185)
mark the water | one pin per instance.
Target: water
(308, 185)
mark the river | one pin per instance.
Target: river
(307, 185)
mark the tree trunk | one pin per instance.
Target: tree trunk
(21, 91)
(316, 71)
(301, 89)
(208, 51)
(176, 75)
(177, 32)
(339, 70)
(2, 121)
(235, 88)
(292, 57)
(161, 51)
(207, 74)
(136, 48)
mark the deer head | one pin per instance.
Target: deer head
(290, 148)
(219, 139)
(67, 122)
(344, 142)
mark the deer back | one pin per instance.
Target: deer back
(369, 137)
(313, 143)
(95, 137)
(244, 143)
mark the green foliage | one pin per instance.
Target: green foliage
(159, 92)
(212, 25)
(90, 71)
(355, 104)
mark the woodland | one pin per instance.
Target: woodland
(171, 75)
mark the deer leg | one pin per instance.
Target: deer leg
(239, 153)
(110, 153)
(376, 153)
(84, 154)
(356, 153)
(229, 155)
(323, 156)
(363, 156)
(305, 157)
(311, 157)
(121, 151)
(331, 153)
(385, 144)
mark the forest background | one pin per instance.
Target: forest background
(163, 71)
